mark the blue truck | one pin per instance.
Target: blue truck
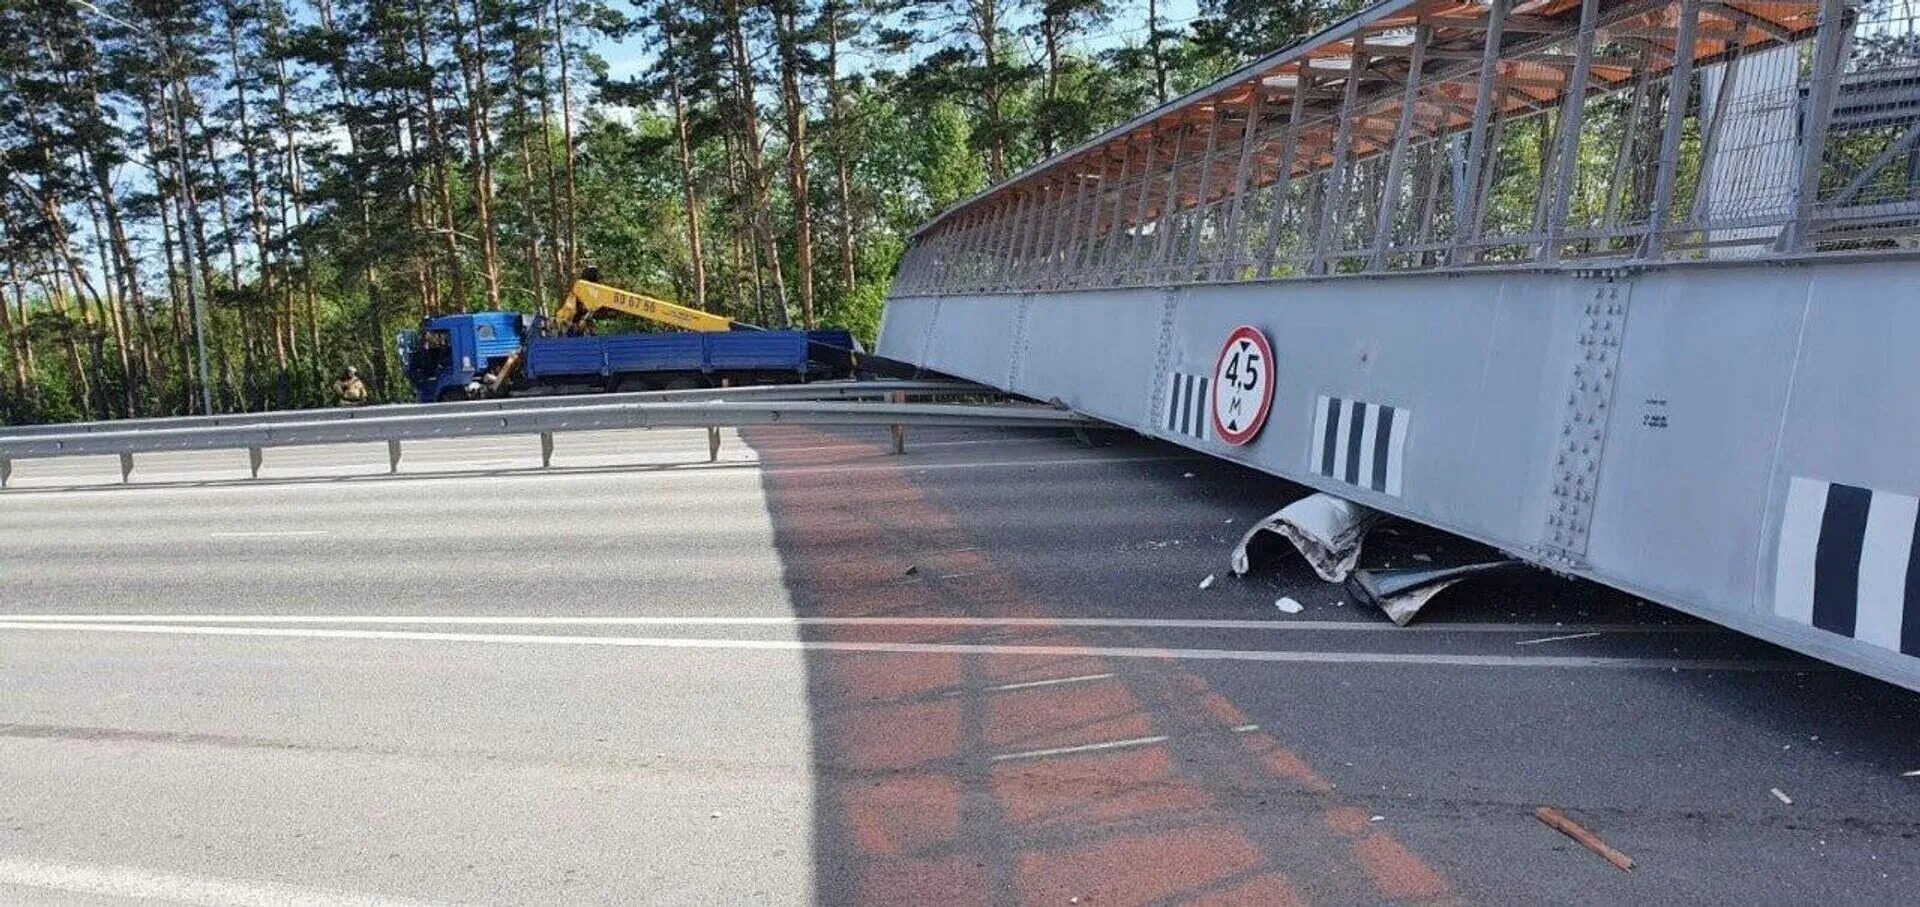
(459, 357)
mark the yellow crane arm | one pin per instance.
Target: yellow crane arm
(588, 297)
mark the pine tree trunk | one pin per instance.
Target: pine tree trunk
(797, 181)
(842, 143)
(1154, 51)
(473, 77)
(753, 170)
(683, 141)
(442, 182)
(566, 141)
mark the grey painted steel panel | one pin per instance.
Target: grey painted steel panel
(1724, 381)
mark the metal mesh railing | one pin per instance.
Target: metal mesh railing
(1792, 128)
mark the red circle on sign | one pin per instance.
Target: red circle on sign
(1242, 435)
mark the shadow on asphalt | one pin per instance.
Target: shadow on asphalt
(977, 779)
(965, 779)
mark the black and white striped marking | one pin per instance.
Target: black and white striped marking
(1359, 443)
(1848, 563)
(1187, 404)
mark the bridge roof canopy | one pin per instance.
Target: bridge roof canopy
(1534, 65)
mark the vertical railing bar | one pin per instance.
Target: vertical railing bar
(1335, 197)
(1206, 180)
(1710, 141)
(1567, 163)
(1087, 230)
(1465, 201)
(1163, 227)
(1283, 171)
(1402, 137)
(1825, 78)
(1617, 188)
(1679, 80)
(1120, 187)
(1010, 239)
(1071, 232)
(1030, 242)
(1484, 181)
(1140, 211)
(1431, 195)
(1229, 264)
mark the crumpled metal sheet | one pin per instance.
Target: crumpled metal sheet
(1326, 530)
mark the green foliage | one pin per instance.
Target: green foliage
(308, 178)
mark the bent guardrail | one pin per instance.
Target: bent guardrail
(543, 421)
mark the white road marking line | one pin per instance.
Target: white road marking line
(909, 648)
(288, 533)
(1050, 682)
(141, 884)
(1144, 623)
(1087, 748)
(1535, 642)
(1008, 440)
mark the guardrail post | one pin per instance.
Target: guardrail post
(713, 432)
(126, 467)
(6, 471)
(393, 456)
(254, 456)
(899, 431)
(546, 449)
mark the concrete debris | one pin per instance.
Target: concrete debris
(1376, 818)
(1326, 530)
(1186, 475)
(1781, 796)
(1288, 605)
(1207, 583)
(1559, 822)
(1423, 558)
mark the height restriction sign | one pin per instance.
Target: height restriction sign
(1242, 385)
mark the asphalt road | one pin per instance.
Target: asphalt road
(981, 673)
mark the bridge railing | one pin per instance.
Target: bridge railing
(1425, 134)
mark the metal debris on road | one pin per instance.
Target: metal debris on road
(1780, 796)
(1326, 530)
(1288, 605)
(913, 569)
(1207, 583)
(1559, 822)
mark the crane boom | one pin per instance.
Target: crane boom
(587, 297)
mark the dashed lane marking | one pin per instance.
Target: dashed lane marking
(1084, 748)
(172, 888)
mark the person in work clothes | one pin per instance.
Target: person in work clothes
(350, 390)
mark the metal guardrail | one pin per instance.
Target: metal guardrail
(819, 390)
(546, 421)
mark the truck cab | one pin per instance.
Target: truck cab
(447, 356)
